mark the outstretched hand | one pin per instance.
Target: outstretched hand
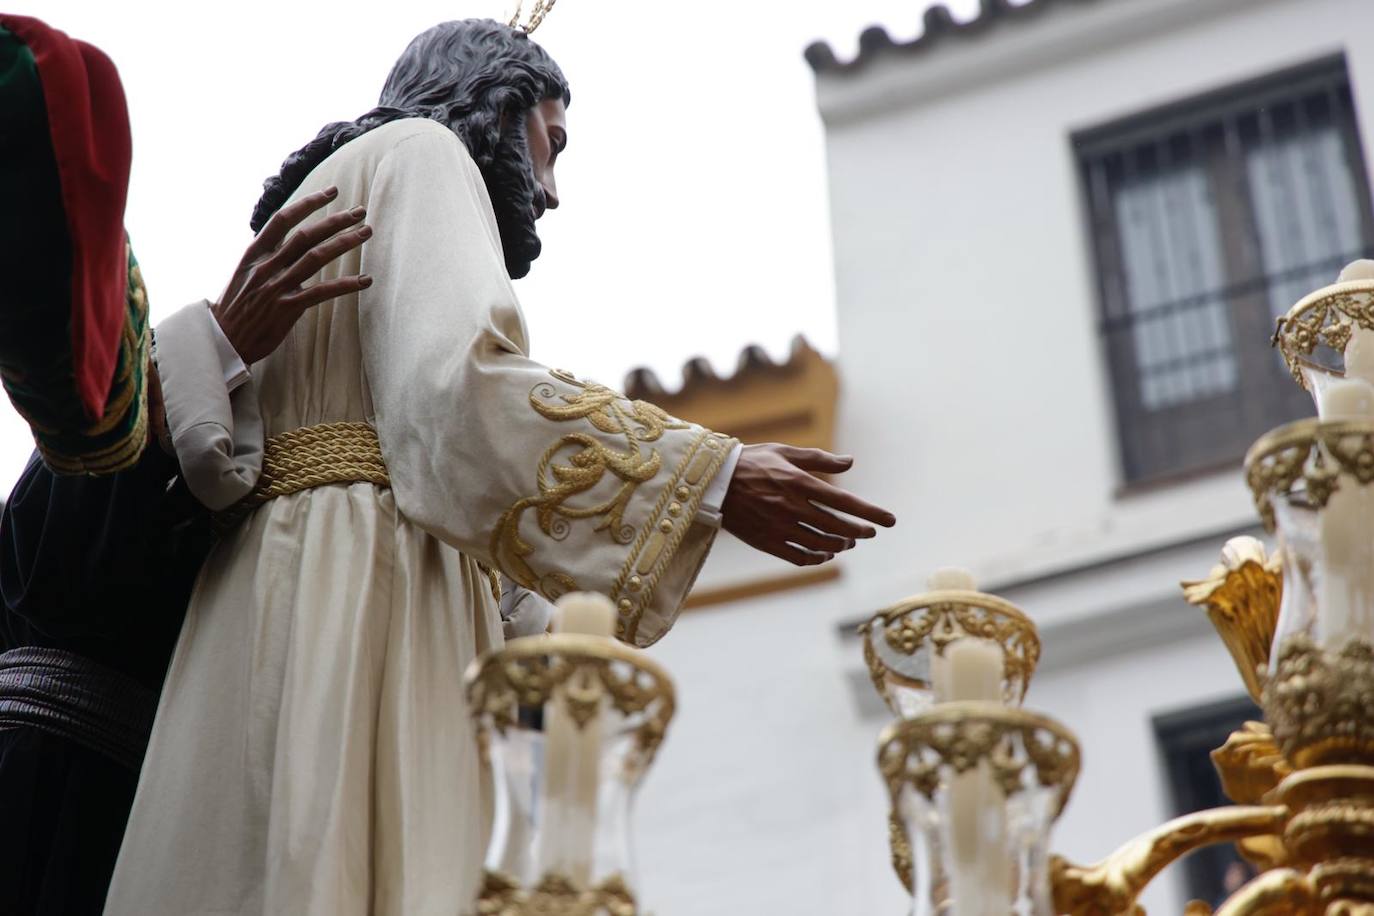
(777, 504)
(264, 298)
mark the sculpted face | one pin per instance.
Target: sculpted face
(519, 178)
(546, 127)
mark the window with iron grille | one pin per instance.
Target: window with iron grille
(1208, 220)
(1186, 741)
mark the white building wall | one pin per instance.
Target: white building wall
(976, 400)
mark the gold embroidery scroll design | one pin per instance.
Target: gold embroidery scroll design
(618, 454)
(575, 465)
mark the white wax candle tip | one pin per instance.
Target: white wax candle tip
(1363, 269)
(950, 578)
(586, 613)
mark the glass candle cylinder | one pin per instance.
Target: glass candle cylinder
(978, 787)
(908, 649)
(570, 725)
(1318, 380)
(1314, 486)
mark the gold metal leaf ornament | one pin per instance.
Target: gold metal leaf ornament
(1241, 596)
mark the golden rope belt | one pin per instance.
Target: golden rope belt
(317, 456)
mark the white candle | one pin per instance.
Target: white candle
(572, 756)
(1363, 269)
(1345, 600)
(978, 669)
(1359, 363)
(950, 577)
(971, 668)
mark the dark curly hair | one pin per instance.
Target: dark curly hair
(477, 77)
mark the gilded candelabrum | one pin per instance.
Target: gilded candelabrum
(1299, 624)
(953, 665)
(569, 724)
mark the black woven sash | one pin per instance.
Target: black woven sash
(71, 696)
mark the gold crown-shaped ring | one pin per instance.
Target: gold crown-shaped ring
(1312, 457)
(932, 620)
(584, 673)
(1023, 750)
(1327, 316)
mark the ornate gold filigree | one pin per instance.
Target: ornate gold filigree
(1111, 887)
(537, 13)
(586, 462)
(1327, 316)
(660, 536)
(554, 895)
(941, 617)
(583, 672)
(957, 736)
(1321, 455)
(1319, 702)
(1241, 596)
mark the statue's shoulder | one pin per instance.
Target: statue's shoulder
(418, 139)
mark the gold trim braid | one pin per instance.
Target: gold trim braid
(316, 456)
(312, 456)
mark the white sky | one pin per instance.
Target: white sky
(694, 218)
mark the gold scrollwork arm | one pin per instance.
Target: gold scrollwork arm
(1281, 892)
(1111, 887)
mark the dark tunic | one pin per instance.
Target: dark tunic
(100, 566)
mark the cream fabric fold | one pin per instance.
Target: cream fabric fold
(217, 432)
(523, 613)
(312, 752)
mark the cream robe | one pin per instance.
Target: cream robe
(312, 752)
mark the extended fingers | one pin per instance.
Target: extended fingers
(817, 460)
(314, 259)
(832, 497)
(323, 292)
(828, 522)
(288, 218)
(813, 538)
(302, 240)
(798, 556)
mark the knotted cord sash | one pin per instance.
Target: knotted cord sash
(318, 456)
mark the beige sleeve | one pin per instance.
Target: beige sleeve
(217, 434)
(523, 612)
(560, 483)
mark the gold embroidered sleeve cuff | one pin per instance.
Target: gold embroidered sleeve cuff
(617, 505)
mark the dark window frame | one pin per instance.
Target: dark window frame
(1186, 740)
(1212, 131)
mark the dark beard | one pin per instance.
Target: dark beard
(513, 191)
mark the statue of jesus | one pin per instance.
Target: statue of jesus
(312, 753)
